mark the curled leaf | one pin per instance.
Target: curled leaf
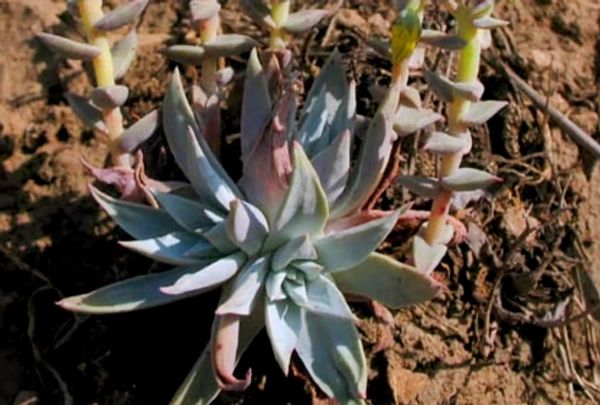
(68, 48)
(224, 349)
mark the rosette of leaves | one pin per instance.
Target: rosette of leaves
(285, 242)
(276, 16)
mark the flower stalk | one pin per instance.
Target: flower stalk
(467, 71)
(91, 12)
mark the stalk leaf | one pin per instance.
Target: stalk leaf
(410, 120)
(202, 10)
(302, 21)
(68, 48)
(121, 16)
(468, 179)
(186, 54)
(109, 97)
(481, 112)
(426, 256)
(123, 53)
(139, 132)
(86, 112)
(259, 11)
(444, 144)
(229, 45)
(420, 185)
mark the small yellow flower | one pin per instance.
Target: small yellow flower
(406, 32)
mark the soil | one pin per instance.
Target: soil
(483, 340)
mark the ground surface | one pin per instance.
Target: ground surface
(456, 349)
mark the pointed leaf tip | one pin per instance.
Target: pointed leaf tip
(468, 179)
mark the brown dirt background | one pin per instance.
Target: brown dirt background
(54, 241)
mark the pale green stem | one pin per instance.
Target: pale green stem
(280, 11)
(91, 12)
(467, 71)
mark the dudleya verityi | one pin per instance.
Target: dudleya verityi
(285, 242)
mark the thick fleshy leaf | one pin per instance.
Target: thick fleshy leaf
(487, 23)
(312, 129)
(447, 90)
(444, 144)
(121, 16)
(274, 286)
(266, 173)
(246, 226)
(68, 48)
(177, 119)
(259, 11)
(410, 120)
(139, 221)
(139, 132)
(331, 351)
(309, 268)
(123, 54)
(344, 249)
(206, 180)
(442, 40)
(224, 76)
(420, 185)
(332, 78)
(283, 323)
(426, 256)
(298, 248)
(373, 157)
(482, 9)
(482, 111)
(170, 248)
(188, 213)
(388, 281)
(86, 112)
(224, 353)
(204, 9)
(295, 288)
(243, 293)
(304, 20)
(229, 45)
(410, 97)
(132, 294)
(305, 208)
(207, 277)
(200, 386)
(218, 236)
(345, 116)
(109, 97)
(468, 179)
(256, 106)
(333, 166)
(186, 54)
(202, 248)
(325, 299)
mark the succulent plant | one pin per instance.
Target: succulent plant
(464, 109)
(285, 242)
(101, 110)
